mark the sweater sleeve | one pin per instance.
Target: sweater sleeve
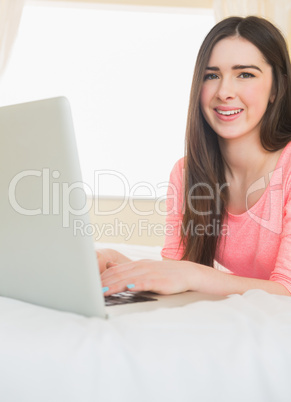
(174, 204)
(282, 270)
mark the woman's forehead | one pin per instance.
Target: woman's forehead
(235, 50)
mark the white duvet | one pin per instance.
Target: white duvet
(237, 349)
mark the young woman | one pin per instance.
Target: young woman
(230, 225)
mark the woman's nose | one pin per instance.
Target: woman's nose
(226, 89)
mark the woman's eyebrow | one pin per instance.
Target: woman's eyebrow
(212, 68)
(242, 67)
(236, 67)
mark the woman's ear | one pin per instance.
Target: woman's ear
(273, 93)
(274, 90)
(272, 98)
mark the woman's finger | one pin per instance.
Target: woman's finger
(110, 264)
(137, 284)
(120, 268)
(123, 278)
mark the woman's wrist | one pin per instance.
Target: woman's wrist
(192, 274)
(205, 279)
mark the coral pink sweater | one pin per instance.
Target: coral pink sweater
(255, 244)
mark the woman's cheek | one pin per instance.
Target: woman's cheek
(257, 96)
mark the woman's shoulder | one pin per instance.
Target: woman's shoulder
(180, 163)
(285, 155)
(282, 172)
(177, 172)
(284, 162)
(178, 166)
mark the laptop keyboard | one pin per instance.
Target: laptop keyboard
(127, 297)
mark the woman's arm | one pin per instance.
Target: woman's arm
(210, 280)
(170, 276)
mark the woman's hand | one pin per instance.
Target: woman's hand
(163, 277)
(170, 276)
(106, 257)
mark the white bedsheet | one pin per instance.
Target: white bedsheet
(237, 349)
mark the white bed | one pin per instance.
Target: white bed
(237, 349)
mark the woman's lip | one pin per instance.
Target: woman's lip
(227, 108)
(229, 117)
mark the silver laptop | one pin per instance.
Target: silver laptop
(43, 259)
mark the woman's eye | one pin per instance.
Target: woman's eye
(246, 75)
(210, 77)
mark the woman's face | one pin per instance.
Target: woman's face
(237, 88)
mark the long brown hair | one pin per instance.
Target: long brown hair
(205, 194)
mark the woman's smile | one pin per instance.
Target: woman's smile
(228, 113)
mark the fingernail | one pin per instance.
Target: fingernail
(105, 289)
(130, 286)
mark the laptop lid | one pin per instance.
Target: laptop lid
(44, 260)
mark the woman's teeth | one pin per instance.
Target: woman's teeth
(228, 112)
